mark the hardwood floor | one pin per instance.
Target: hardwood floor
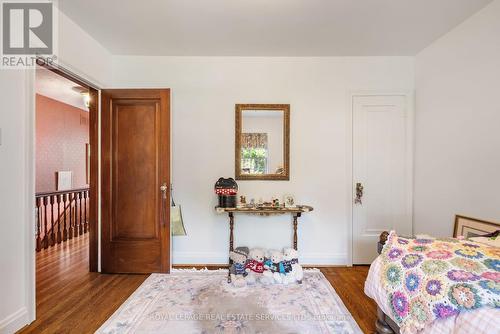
(72, 300)
(349, 284)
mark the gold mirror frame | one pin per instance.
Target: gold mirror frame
(286, 142)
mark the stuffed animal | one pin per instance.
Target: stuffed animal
(255, 265)
(274, 272)
(293, 270)
(267, 275)
(237, 270)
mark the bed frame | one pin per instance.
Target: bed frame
(384, 324)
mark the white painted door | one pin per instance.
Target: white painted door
(382, 166)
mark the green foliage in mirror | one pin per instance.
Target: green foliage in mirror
(254, 160)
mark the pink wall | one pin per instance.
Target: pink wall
(61, 134)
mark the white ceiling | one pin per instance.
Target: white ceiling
(58, 88)
(268, 27)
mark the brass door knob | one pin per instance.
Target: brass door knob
(359, 194)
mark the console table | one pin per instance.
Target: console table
(296, 212)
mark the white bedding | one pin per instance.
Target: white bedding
(483, 321)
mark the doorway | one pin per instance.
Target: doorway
(143, 245)
(381, 169)
(66, 162)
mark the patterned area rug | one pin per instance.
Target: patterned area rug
(191, 301)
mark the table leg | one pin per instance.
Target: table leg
(231, 227)
(231, 243)
(295, 221)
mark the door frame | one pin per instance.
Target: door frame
(410, 147)
(94, 93)
(30, 110)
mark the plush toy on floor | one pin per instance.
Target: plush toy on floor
(237, 270)
(255, 265)
(293, 270)
(274, 270)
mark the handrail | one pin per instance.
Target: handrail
(60, 192)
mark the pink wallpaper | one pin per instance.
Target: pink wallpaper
(61, 134)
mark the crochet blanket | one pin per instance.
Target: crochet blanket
(430, 279)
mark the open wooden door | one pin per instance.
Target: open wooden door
(135, 178)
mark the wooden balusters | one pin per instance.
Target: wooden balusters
(86, 220)
(52, 224)
(59, 236)
(80, 225)
(38, 224)
(75, 212)
(65, 231)
(45, 241)
(71, 222)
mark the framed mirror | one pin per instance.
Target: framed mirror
(262, 149)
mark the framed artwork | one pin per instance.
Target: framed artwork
(289, 201)
(471, 227)
(64, 180)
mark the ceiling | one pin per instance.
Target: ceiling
(268, 27)
(58, 88)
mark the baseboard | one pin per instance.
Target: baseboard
(195, 259)
(15, 321)
(224, 266)
(323, 259)
(192, 258)
(199, 266)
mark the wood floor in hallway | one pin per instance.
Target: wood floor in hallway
(72, 300)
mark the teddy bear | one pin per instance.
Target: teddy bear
(237, 270)
(293, 270)
(255, 265)
(274, 270)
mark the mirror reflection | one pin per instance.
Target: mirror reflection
(262, 141)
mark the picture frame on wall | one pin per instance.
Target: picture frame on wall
(472, 227)
(64, 180)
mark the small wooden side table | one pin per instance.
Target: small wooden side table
(296, 212)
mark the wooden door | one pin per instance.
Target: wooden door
(381, 165)
(135, 174)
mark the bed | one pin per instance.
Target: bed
(473, 321)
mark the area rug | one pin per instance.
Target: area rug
(201, 301)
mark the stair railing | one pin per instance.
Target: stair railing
(61, 216)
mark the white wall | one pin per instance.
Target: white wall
(457, 159)
(79, 52)
(82, 54)
(14, 281)
(204, 92)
